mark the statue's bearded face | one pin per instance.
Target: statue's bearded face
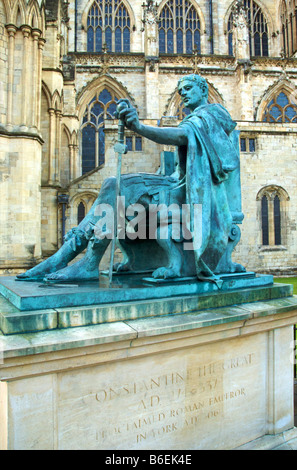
(191, 94)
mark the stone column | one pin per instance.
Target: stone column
(76, 162)
(41, 43)
(241, 35)
(51, 145)
(26, 30)
(71, 162)
(151, 49)
(242, 53)
(271, 232)
(36, 33)
(11, 39)
(58, 145)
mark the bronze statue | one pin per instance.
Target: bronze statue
(207, 176)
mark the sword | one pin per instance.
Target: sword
(120, 149)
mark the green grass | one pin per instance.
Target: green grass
(288, 280)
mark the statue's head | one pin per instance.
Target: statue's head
(198, 80)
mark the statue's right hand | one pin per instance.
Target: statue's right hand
(69, 234)
(130, 117)
(122, 104)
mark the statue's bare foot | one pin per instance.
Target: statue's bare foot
(74, 245)
(165, 273)
(39, 271)
(79, 271)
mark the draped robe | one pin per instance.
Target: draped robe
(210, 156)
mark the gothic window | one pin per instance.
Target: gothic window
(230, 34)
(81, 212)
(271, 224)
(265, 221)
(272, 207)
(258, 30)
(289, 27)
(282, 108)
(277, 220)
(101, 107)
(179, 28)
(108, 24)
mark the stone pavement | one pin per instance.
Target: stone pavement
(284, 441)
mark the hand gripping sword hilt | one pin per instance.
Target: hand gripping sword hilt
(122, 104)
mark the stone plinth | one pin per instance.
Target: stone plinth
(210, 378)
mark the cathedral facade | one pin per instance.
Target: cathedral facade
(65, 64)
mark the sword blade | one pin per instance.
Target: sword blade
(115, 225)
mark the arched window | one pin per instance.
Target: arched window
(265, 221)
(81, 212)
(179, 28)
(289, 27)
(108, 24)
(282, 108)
(273, 208)
(101, 107)
(230, 34)
(277, 220)
(258, 30)
(284, 22)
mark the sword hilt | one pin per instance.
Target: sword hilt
(120, 146)
(121, 126)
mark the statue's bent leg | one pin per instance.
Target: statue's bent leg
(76, 240)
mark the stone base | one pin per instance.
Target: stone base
(26, 295)
(218, 378)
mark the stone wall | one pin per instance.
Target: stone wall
(66, 78)
(20, 243)
(3, 65)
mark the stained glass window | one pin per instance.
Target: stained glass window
(288, 14)
(179, 28)
(108, 23)
(230, 34)
(265, 224)
(272, 200)
(282, 108)
(101, 107)
(258, 30)
(277, 220)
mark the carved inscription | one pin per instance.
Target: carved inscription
(172, 402)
